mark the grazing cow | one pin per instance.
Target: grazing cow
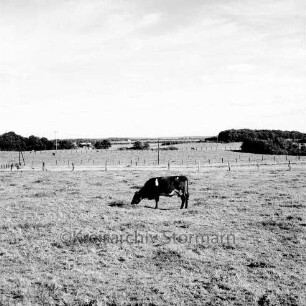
(163, 186)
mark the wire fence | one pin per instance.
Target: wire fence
(195, 157)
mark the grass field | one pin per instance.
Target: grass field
(188, 155)
(73, 238)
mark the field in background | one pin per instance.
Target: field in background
(192, 155)
(52, 253)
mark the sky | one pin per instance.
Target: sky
(151, 68)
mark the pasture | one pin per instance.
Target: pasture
(190, 156)
(73, 238)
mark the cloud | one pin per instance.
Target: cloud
(241, 68)
(150, 19)
(112, 56)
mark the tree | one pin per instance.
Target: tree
(104, 144)
(34, 143)
(47, 144)
(65, 144)
(277, 146)
(243, 134)
(12, 142)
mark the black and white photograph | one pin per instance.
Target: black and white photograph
(152, 152)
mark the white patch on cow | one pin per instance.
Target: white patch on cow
(172, 193)
(175, 192)
(156, 182)
(177, 177)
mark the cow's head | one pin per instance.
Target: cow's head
(136, 198)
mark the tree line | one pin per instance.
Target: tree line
(247, 134)
(12, 142)
(277, 146)
(267, 141)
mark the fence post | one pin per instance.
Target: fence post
(106, 166)
(229, 166)
(169, 165)
(289, 166)
(222, 160)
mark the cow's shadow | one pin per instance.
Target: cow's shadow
(120, 204)
(151, 207)
(117, 204)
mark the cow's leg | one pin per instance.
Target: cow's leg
(183, 201)
(186, 200)
(156, 201)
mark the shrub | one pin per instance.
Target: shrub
(170, 148)
(138, 145)
(169, 143)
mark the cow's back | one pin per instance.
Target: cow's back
(170, 183)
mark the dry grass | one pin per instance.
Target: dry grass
(188, 155)
(53, 225)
